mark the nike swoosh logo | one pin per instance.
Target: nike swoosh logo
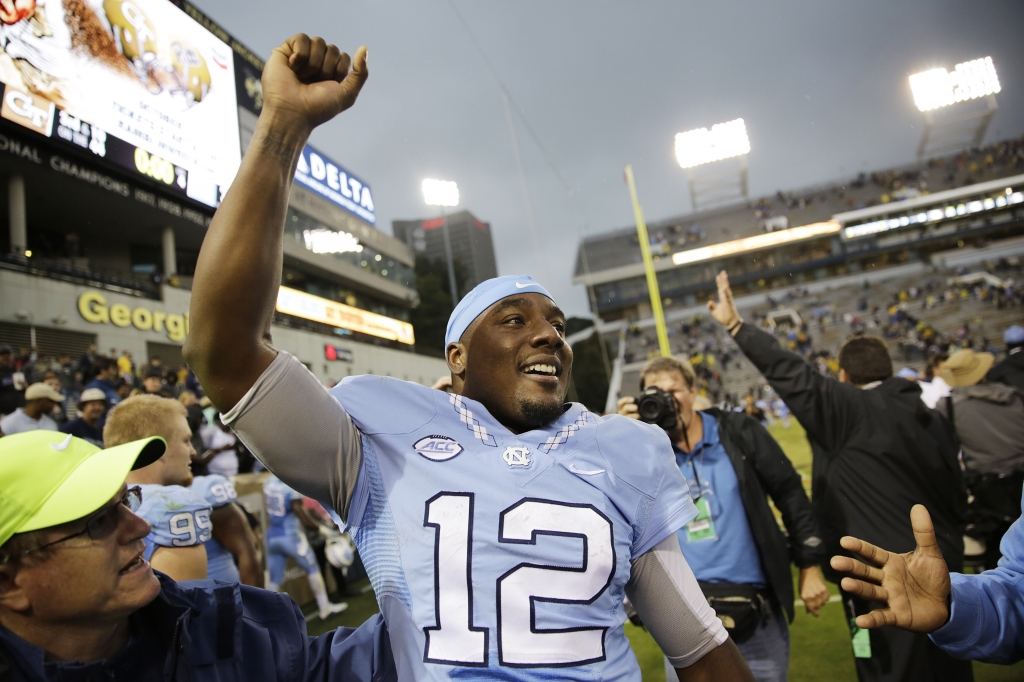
(595, 472)
(63, 446)
(523, 286)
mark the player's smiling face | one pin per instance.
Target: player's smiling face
(514, 359)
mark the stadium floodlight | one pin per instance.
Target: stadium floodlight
(701, 146)
(444, 193)
(440, 193)
(937, 88)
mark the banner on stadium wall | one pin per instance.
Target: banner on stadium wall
(325, 311)
(136, 82)
(323, 176)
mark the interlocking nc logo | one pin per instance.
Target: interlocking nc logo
(517, 457)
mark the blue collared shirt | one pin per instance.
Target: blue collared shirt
(207, 631)
(987, 619)
(732, 556)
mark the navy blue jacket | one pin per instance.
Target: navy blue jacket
(211, 631)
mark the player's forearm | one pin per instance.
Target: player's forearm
(239, 269)
(723, 664)
(249, 570)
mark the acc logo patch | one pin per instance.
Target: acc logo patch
(437, 448)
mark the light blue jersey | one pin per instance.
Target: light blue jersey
(488, 549)
(280, 516)
(218, 492)
(285, 538)
(179, 518)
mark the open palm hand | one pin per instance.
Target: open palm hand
(913, 587)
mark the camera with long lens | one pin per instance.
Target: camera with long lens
(657, 407)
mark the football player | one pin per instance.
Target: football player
(285, 540)
(500, 526)
(180, 520)
(231, 552)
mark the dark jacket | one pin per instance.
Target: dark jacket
(213, 631)
(1010, 371)
(763, 468)
(877, 453)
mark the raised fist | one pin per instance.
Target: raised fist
(307, 82)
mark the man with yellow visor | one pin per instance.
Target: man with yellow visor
(78, 601)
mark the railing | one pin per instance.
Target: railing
(58, 270)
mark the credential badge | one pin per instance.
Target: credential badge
(437, 448)
(517, 457)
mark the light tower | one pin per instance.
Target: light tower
(700, 147)
(958, 106)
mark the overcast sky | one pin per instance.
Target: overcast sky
(822, 87)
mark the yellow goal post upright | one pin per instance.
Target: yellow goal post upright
(652, 278)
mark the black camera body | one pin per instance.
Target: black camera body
(657, 407)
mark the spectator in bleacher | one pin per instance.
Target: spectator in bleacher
(66, 372)
(12, 383)
(62, 408)
(989, 420)
(85, 362)
(878, 451)
(908, 374)
(221, 456)
(737, 552)
(105, 378)
(153, 383)
(124, 364)
(936, 388)
(40, 399)
(1011, 370)
(91, 406)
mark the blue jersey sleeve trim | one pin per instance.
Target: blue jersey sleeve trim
(682, 512)
(361, 491)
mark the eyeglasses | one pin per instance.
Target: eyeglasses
(100, 525)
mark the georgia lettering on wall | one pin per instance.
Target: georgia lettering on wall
(92, 305)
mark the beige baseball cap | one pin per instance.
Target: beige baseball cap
(91, 394)
(41, 390)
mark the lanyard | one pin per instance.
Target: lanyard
(696, 474)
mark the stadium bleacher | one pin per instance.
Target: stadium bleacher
(959, 315)
(802, 206)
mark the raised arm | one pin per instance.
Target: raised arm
(812, 398)
(306, 82)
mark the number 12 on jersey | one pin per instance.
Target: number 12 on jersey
(454, 640)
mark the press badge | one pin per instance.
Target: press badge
(702, 528)
(861, 641)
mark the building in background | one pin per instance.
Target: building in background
(472, 246)
(107, 208)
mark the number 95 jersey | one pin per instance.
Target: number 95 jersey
(178, 516)
(494, 554)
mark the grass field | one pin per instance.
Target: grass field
(820, 647)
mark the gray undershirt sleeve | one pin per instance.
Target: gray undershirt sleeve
(300, 432)
(665, 594)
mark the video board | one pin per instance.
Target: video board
(136, 82)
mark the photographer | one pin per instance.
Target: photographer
(731, 462)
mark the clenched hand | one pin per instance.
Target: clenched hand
(307, 82)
